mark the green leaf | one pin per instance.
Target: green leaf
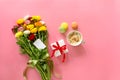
(44, 66)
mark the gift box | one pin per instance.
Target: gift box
(59, 48)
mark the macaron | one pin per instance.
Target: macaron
(63, 27)
(74, 25)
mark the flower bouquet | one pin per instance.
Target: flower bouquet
(31, 35)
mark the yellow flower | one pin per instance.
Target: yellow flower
(20, 21)
(34, 30)
(18, 34)
(31, 26)
(36, 18)
(42, 28)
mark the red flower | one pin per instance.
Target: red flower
(29, 18)
(31, 37)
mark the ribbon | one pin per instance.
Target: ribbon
(32, 63)
(61, 49)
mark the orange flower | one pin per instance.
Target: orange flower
(38, 24)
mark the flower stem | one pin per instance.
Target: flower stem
(40, 70)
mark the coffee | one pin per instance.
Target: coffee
(74, 38)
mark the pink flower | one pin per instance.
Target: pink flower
(15, 28)
(20, 29)
(27, 22)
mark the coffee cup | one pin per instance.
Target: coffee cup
(74, 38)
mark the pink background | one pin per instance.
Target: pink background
(99, 22)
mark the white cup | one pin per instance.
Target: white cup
(78, 34)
